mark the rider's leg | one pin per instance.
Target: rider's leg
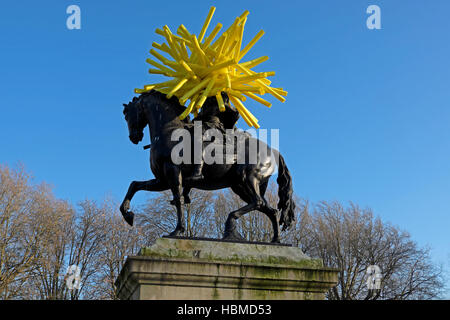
(198, 167)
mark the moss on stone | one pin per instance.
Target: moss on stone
(269, 260)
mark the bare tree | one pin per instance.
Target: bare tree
(351, 239)
(40, 236)
(26, 223)
(76, 239)
(47, 279)
(158, 217)
(120, 241)
(85, 245)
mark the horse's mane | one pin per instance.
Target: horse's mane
(173, 102)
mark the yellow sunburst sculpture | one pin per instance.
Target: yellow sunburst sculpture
(202, 68)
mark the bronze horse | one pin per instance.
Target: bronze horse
(248, 180)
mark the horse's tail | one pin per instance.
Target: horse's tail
(286, 203)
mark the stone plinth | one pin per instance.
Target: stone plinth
(188, 269)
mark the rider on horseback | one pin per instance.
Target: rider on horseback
(213, 118)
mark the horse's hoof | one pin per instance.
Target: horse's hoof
(129, 217)
(275, 240)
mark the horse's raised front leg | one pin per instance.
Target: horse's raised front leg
(174, 180)
(135, 186)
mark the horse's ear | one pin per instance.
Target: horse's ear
(124, 105)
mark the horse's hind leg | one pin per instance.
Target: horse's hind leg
(270, 212)
(230, 232)
(249, 192)
(253, 193)
(135, 186)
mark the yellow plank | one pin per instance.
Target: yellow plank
(205, 93)
(251, 44)
(259, 99)
(205, 65)
(198, 87)
(220, 102)
(253, 63)
(212, 35)
(188, 109)
(206, 24)
(158, 65)
(175, 89)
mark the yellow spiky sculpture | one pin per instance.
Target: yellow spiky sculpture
(202, 68)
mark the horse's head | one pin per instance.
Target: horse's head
(135, 119)
(152, 108)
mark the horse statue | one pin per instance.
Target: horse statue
(248, 180)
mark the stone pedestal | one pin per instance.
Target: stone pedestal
(188, 269)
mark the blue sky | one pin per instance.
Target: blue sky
(366, 117)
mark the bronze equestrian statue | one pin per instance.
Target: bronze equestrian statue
(248, 180)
